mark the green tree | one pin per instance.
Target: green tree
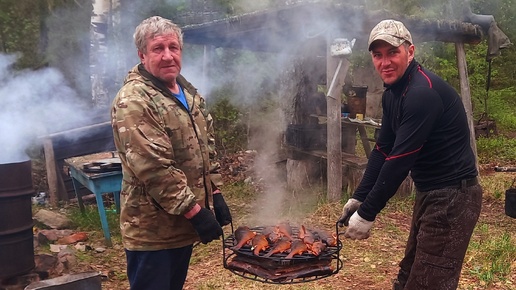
(19, 32)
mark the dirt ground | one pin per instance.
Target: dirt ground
(367, 264)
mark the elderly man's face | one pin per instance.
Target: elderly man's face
(391, 62)
(163, 57)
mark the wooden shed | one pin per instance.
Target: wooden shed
(309, 29)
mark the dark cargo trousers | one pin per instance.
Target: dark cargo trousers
(158, 270)
(442, 224)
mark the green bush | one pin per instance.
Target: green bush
(229, 123)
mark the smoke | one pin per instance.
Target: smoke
(254, 78)
(34, 104)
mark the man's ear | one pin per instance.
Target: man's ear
(141, 56)
(411, 51)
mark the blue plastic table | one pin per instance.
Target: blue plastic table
(99, 184)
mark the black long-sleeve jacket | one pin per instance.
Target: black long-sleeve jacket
(425, 132)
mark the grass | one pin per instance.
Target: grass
(89, 220)
(494, 255)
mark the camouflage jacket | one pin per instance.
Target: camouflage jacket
(164, 150)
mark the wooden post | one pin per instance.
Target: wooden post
(51, 171)
(465, 93)
(334, 125)
(62, 193)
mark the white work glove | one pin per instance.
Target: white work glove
(358, 228)
(349, 209)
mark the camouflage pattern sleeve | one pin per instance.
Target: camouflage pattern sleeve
(147, 152)
(215, 176)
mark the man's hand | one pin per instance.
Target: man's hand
(349, 209)
(221, 209)
(358, 228)
(206, 225)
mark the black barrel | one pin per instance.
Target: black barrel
(16, 237)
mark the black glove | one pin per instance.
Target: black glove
(206, 226)
(221, 210)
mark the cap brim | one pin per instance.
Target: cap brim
(392, 40)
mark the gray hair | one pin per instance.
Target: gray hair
(153, 26)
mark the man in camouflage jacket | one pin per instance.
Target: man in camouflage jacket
(163, 135)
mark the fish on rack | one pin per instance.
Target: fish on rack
(316, 248)
(285, 229)
(306, 235)
(259, 243)
(298, 247)
(272, 234)
(326, 237)
(282, 245)
(243, 235)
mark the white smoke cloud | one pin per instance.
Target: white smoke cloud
(34, 103)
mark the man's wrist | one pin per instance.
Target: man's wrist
(191, 213)
(217, 191)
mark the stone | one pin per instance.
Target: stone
(52, 220)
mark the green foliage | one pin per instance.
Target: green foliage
(230, 129)
(499, 148)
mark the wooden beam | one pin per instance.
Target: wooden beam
(336, 70)
(465, 93)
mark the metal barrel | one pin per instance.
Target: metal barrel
(16, 236)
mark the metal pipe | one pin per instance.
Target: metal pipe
(76, 130)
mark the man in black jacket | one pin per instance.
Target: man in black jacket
(425, 132)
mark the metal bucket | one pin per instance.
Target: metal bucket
(16, 237)
(80, 281)
(510, 202)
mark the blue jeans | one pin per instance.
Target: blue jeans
(158, 270)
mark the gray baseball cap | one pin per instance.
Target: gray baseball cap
(390, 31)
